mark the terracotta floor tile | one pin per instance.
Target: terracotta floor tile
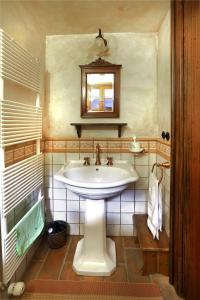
(92, 278)
(139, 279)
(56, 264)
(120, 274)
(134, 261)
(68, 273)
(130, 242)
(32, 270)
(72, 248)
(53, 263)
(119, 248)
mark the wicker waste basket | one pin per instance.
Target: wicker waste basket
(56, 234)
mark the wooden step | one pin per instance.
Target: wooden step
(147, 243)
(155, 252)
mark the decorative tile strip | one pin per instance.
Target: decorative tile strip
(109, 145)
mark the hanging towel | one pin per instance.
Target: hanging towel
(154, 220)
(160, 207)
(29, 228)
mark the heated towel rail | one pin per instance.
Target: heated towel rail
(19, 123)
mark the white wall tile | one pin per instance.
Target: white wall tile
(60, 215)
(60, 194)
(60, 205)
(103, 157)
(160, 159)
(114, 199)
(71, 195)
(113, 218)
(142, 160)
(167, 224)
(113, 206)
(82, 205)
(56, 168)
(72, 205)
(167, 182)
(82, 155)
(58, 184)
(166, 208)
(48, 158)
(131, 186)
(82, 229)
(58, 158)
(115, 156)
(126, 230)
(140, 207)
(143, 171)
(127, 207)
(74, 229)
(168, 171)
(72, 156)
(73, 217)
(167, 198)
(82, 217)
(48, 170)
(127, 195)
(127, 156)
(113, 230)
(142, 183)
(152, 158)
(127, 218)
(141, 195)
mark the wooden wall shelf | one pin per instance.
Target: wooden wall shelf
(80, 125)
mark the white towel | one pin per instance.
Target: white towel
(154, 220)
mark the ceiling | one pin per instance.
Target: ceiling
(56, 17)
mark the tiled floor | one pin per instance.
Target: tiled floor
(56, 264)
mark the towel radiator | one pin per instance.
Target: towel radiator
(19, 123)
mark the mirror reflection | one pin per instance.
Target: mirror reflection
(100, 92)
(100, 89)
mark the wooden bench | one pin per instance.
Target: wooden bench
(155, 252)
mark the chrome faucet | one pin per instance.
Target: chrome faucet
(98, 150)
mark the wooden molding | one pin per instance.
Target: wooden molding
(185, 176)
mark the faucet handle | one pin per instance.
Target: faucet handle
(110, 161)
(86, 161)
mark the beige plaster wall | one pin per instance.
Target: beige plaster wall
(138, 105)
(164, 76)
(19, 23)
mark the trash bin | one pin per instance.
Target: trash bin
(56, 234)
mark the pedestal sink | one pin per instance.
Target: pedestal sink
(95, 254)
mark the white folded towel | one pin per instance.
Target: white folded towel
(154, 220)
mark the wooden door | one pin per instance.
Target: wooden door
(185, 182)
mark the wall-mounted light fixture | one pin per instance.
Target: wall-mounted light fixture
(101, 45)
(100, 38)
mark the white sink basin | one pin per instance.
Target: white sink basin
(95, 254)
(97, 182)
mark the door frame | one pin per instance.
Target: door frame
(185, 149)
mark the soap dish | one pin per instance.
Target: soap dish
(141, 150)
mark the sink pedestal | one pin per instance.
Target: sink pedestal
(95, 254)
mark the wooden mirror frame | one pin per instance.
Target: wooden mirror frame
(96, 67)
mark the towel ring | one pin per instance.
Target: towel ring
(161, 166)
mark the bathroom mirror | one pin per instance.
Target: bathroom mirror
(100, 89)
